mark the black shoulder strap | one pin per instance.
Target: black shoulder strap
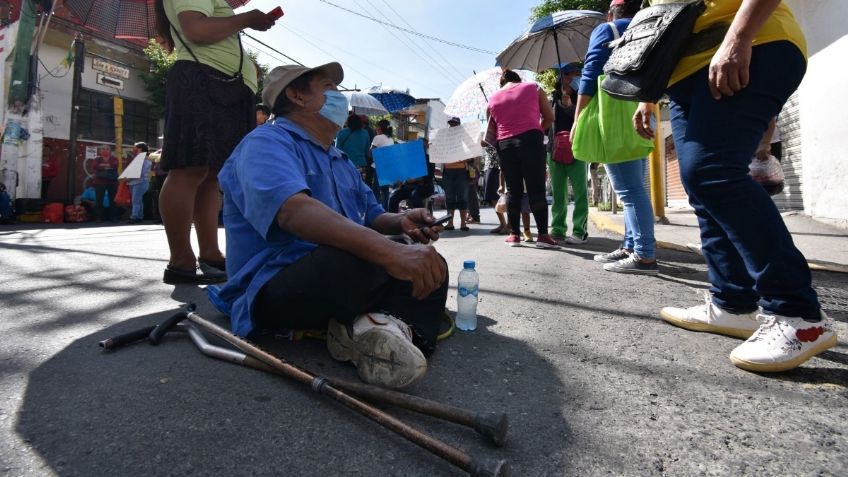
(237, 74)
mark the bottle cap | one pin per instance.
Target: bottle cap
(468, 264)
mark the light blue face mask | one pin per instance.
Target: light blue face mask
(575, 83)
(335, 107)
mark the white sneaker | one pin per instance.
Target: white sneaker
(710, 318)
(380, 346)
(782, 343)
(575, 240)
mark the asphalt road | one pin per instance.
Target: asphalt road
(593, 381)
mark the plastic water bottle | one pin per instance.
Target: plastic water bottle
(466, 298)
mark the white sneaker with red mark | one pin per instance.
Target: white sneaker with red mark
(783, 343)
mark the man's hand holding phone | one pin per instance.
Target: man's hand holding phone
(276, 13)
(420, 225)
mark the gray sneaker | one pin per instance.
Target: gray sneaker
(633, 265)
(613, 256)
(380, 346)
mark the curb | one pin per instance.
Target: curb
(606, 224)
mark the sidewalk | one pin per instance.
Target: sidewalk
(825, 246)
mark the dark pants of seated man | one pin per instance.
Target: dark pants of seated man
(416, 194)
(329, 283)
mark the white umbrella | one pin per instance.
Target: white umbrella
(555, 39)
(472, 96)
(364, 103)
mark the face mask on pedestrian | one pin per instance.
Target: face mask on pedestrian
(575, 83)
(335, 107)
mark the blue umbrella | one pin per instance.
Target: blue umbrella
(561, 37)
(393, 100)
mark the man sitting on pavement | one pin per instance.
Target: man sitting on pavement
(306, 239)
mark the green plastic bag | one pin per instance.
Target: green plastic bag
(605, 131)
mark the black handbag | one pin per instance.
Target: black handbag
(643, 59)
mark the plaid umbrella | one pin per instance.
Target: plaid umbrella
(123, 19)
(392, 99)
(472, 96)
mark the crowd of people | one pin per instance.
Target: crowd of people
(304, 208)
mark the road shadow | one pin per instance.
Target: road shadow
(145, 410)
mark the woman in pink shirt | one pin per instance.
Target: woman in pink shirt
(521, 113)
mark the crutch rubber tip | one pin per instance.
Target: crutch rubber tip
(493, 426)
(489, 468)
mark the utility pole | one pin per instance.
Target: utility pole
(79, 64)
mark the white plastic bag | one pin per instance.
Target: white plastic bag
(768, 173)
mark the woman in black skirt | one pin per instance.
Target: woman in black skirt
(210, 97)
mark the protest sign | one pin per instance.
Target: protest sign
(400, 162)
(456, 143)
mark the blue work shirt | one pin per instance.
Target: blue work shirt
(271, 164)
(598, 54)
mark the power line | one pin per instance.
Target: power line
(361, 58)
(328, 53)
(445, 60)
(272, 48)
(407, 30)
(444, 72)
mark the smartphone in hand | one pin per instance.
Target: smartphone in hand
(276, 13)
(439, 221)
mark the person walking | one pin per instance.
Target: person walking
(722, 101)
(563, 103)
(138, 187)
(455, 181)
(210, 96)
(521, 113)
(637, 254)
(105, 182)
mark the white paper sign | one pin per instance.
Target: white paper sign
(455, 144)
(133, 171)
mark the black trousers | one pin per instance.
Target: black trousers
(329, 283)
(523, 163)
(99, 190)
(416, 194)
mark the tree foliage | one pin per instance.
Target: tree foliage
(161, 63)
(154, 80)
(546, 7)
(548, 78)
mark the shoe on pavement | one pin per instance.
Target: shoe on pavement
(782, 343)
(380, 346)
(575, 240)
(613, 256)
(712, 319)
(546, 241)
(202, 275)
(633, 265)
(528, 236)
(558, 237)
(513, 240)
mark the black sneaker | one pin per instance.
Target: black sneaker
(613, 256)
(633, 265)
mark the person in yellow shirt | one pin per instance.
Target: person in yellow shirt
(210, 97)
(744, 60)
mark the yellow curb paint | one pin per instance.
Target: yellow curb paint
(607, 224)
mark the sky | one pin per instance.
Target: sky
(314, 32)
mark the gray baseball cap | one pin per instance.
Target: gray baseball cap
(282, 76)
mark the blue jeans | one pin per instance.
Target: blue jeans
(137, 191)
(628, 182)
(750, 254)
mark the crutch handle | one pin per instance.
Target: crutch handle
(159, 331)
(126, 338)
